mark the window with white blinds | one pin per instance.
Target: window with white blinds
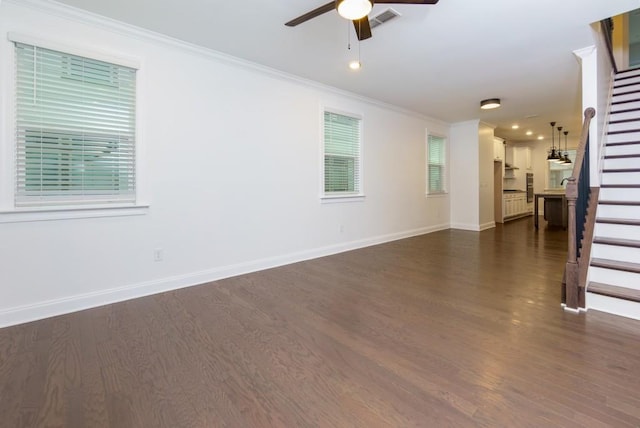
(342, 166)
(436, 150)
(75, 129)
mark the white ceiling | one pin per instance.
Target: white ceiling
(439, 60)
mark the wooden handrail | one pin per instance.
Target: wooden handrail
(607, 30)
(573, 286)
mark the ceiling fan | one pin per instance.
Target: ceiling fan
(354, 10)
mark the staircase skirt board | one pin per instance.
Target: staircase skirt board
(613, 305)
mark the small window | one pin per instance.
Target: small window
(436, 149)
(342, 166)
(561, 171)
(75, 130)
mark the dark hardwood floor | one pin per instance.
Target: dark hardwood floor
(453, 328)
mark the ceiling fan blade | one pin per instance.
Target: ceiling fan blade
(407, 1)
(363, 29)
(309, 15)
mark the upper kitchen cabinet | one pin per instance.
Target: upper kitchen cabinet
(498, 149)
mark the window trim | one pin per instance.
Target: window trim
(341, 197)
(9, 212)
(445, 166)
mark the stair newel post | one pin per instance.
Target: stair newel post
(571, 269)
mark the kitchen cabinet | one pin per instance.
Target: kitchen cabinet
(498, 148)
(515, 205)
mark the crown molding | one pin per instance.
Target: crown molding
(84, 17)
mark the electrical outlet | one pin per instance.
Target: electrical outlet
(158, 254)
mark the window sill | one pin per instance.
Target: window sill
(437, 195)
(68, 213)
(340, 199)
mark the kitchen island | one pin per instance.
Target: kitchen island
(555, 208)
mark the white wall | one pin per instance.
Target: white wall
(233, 166)
(465, 173)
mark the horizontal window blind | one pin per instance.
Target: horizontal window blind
(435, 164)
(75, 129)
(341, 154)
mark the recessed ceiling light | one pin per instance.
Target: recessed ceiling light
(540, 137)
(355, 65)
(490, 103)
(516, 126)
(529, 132)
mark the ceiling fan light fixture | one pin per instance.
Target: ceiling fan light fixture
(354, 9)
(490, 103)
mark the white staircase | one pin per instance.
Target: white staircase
(614, 271)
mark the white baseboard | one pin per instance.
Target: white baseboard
(488, 225)
(50, 308)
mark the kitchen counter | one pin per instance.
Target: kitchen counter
(555, 208)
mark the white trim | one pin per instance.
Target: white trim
(128, 30)
(45, 309)
(49, 213)
(91, 53)
(8, 212)
(337, 197)
(488, 225)
(464, 226)
(330, 199)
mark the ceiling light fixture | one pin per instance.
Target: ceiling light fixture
(354, 9)
(529, 132)
(515, 126)
(490, 103)
(355, 65)
(540, 137)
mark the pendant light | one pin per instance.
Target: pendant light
(354, 9)
(553, 154)
(566, 152)
(560, 158)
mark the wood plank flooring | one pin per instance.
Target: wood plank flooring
(453, 328)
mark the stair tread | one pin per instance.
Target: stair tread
(622, 143)
(626, 110)
(625, 101)
(616, 170)
(617, 242)
(622, 156)
(614, 291)
(612, 202)
(616, 265)
(625, 221)
(620, 186)
(635, 119)
(623, 131)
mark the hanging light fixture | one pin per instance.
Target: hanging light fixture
(566, 152)
(354, 9)
(560, 158)
(553, 154)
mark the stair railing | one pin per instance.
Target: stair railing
(577, 195)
